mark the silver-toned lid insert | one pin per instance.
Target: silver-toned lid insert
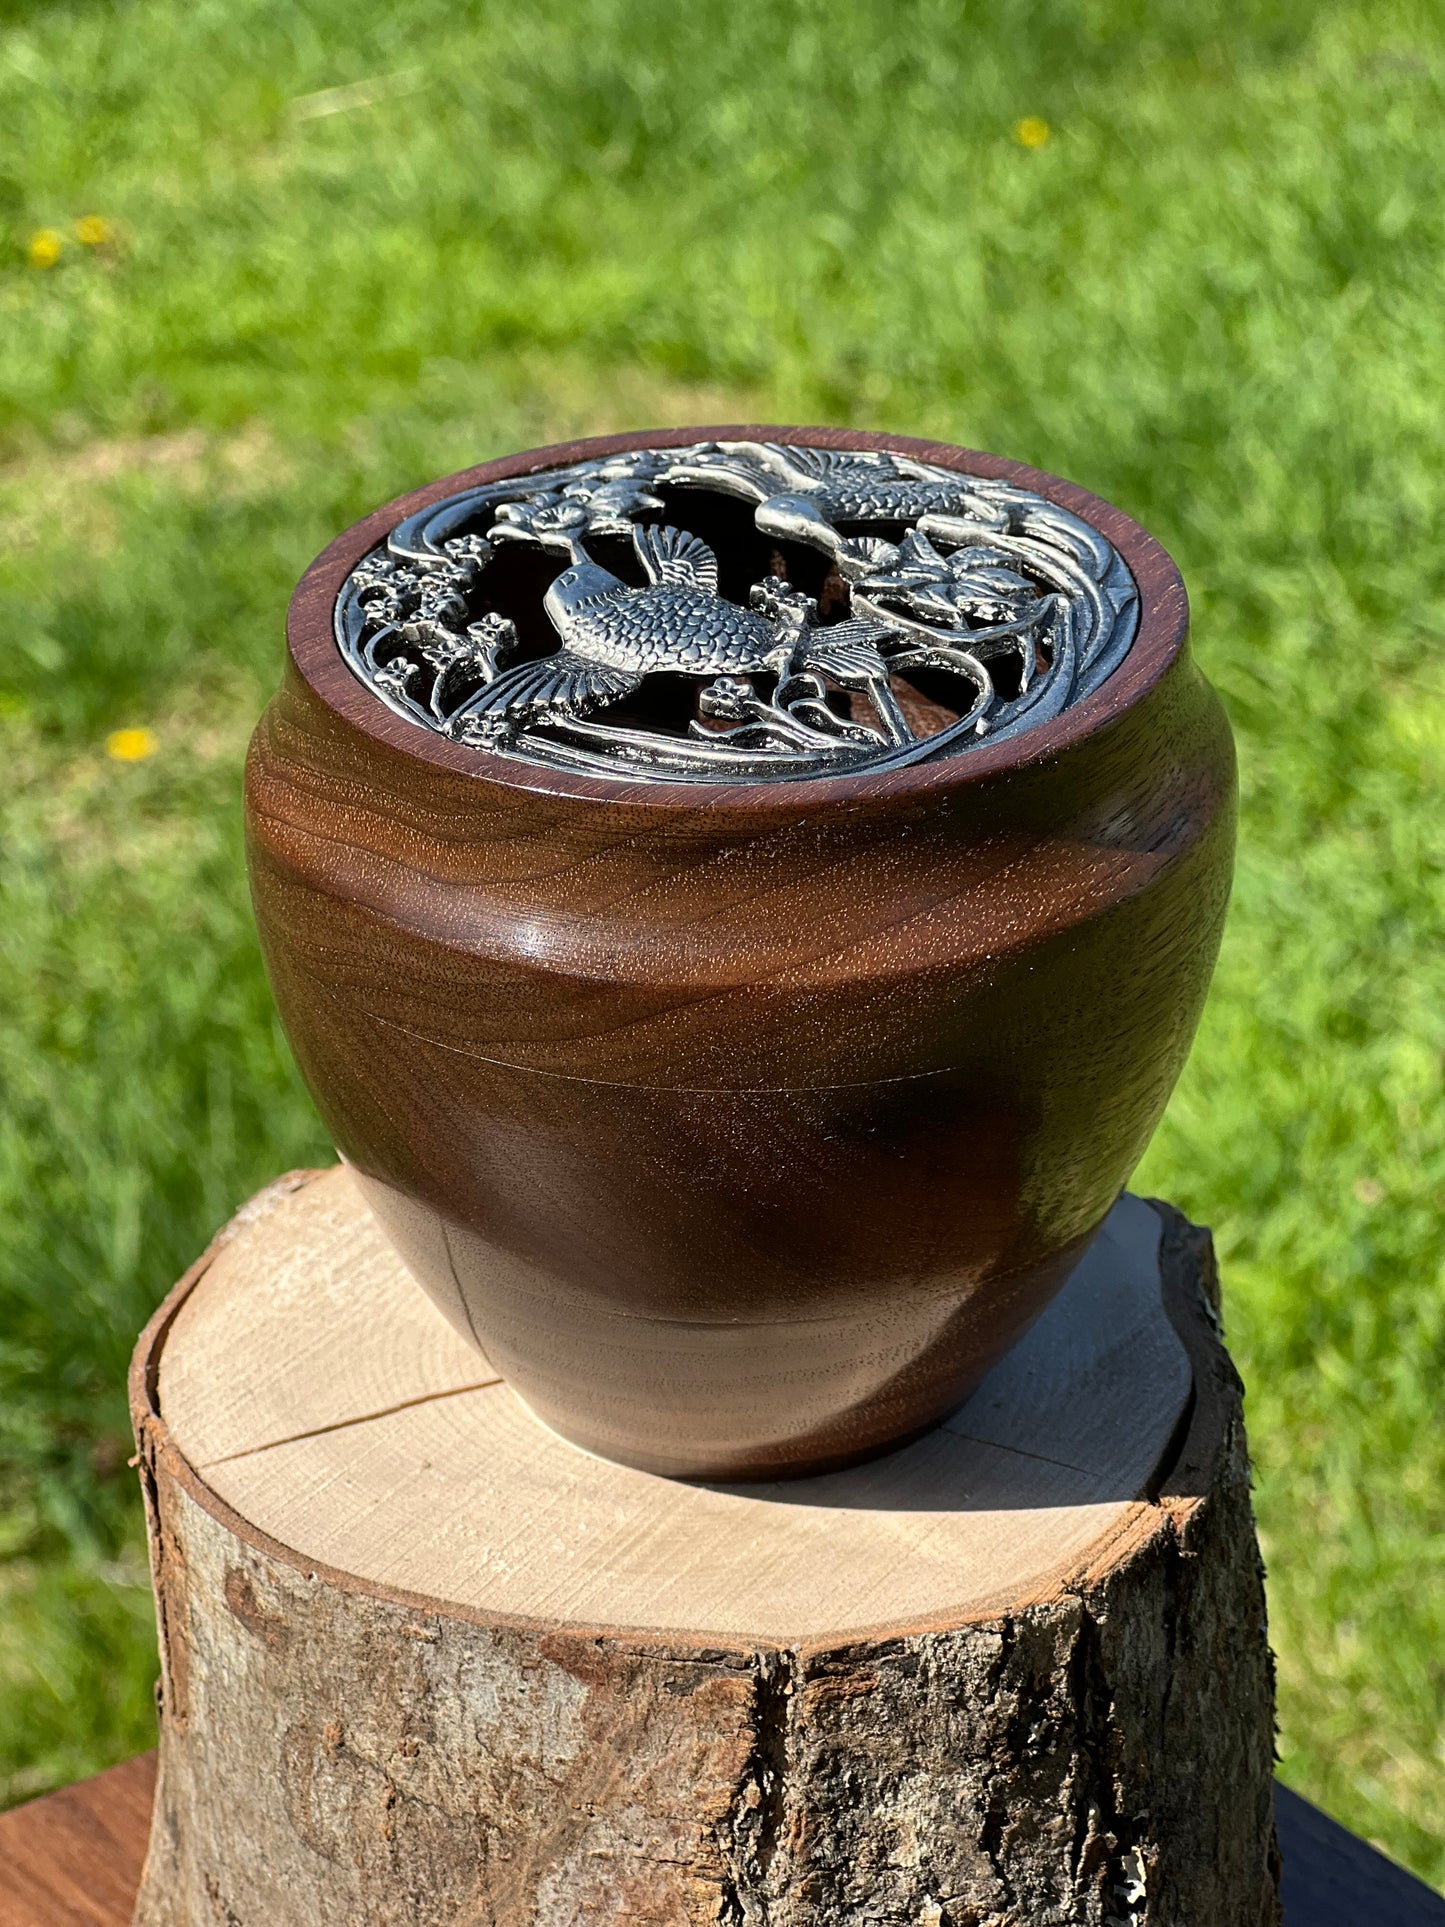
(737, 611)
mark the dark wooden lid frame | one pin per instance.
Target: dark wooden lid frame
(1163, 631)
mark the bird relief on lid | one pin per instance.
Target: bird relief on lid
(737, 611)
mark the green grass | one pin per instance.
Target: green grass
(1215, 295)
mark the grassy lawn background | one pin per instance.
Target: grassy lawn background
(1214, 294)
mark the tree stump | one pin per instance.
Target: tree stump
(424, 1662)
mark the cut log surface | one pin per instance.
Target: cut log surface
(424, 1661)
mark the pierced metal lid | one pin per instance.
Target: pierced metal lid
(737, 611)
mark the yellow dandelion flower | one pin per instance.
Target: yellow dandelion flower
(131, 745)
(44, 248)
(92, 230)
(1031, 132)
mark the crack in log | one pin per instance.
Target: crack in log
(1173, 1449)
(996, 1803)
(1173, 1556)
(1110, 1855)
(168, 1586)
(755, 1822)
(344, 1424)
(1096, 1837)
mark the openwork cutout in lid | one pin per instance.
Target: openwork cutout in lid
(737, 611)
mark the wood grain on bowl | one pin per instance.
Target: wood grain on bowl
(743, 1125)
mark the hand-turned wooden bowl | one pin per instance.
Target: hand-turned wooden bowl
(740, 1007)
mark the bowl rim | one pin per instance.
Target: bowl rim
(1162, 637)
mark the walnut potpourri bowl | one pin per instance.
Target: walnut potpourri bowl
(741, 899)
